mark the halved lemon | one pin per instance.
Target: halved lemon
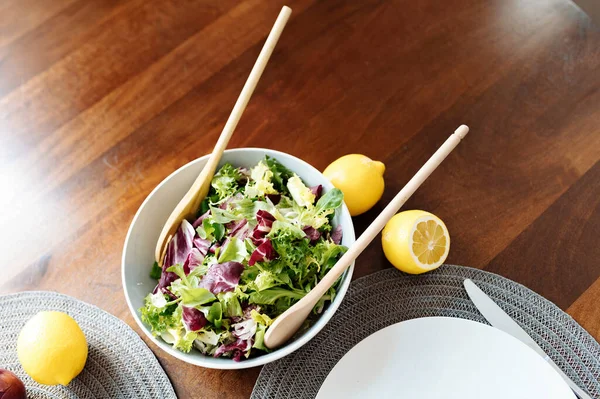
(415, 241)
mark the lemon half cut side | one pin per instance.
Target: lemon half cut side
(416, 241)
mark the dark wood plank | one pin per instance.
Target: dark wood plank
(585, 310)
(118, 50)
(18, 17)
(43, 45)
(557, 255)
(525, 150)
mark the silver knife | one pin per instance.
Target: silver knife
(499, 319)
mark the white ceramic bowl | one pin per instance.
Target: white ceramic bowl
(138, 252)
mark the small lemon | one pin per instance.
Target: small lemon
(52, 348)
(360, 179)
(415, 241)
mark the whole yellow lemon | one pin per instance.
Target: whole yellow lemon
(360, 179)
(52, 348)
(415, 241)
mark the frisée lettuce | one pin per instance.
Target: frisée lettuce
(261, 241)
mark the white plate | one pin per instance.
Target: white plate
(441, 357)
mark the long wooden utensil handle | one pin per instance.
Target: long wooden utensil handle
(192, 199)
(388, 212)
(287, 323)
(249, 86)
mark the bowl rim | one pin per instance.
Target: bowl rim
(229, 364)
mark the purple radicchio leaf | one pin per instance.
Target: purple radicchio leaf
(213, 248)
(202, 245)
(193, 319)
(336, 234)
(245, 330)
(245, 174)
(180, 245)
(228, 200)
(166, 278)
(243, 233)
(237, 355)
(317, 190)
(237, 349)
(178, 250)
(275, 198)
(265, 222)
(262, 253)
(198, 221)
(194, 259)
(238, 229)
(231, 225)
(225, 242)
(165, 290)
(247, 312)
(222, 277)
(312, 234)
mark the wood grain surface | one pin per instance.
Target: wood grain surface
(101, 100)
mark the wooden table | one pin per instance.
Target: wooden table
(101, 100)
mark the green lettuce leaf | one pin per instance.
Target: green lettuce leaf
(286, 231)
(185, 341)
(261, 318)
(218, 215)
(330, 201)
(300, 193)
(179, 337)
(259, 338)
(211, 230)
(270, 296)
(178, 270)
(326, 254)
(235, 250)
(194, 297)
(249, 274)
(246, 208)
(230, 304)
(214, 314)
(260, 183)
(156, 271)
(225, 181)
(158, 313)
(204, 206)
(264, 280)
(291, 245)
(318, 216)
(280, 174)
(208, 337)
(202, 269)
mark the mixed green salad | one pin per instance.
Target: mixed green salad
(261, 241)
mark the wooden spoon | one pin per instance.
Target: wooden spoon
(190, 203)
(290, 321)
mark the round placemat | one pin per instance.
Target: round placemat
(119, 364)
(388, 297)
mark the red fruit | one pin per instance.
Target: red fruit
(11, 387)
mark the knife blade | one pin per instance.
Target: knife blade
(502, 321)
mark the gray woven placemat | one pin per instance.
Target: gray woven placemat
(388, 297)
(119, 363)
